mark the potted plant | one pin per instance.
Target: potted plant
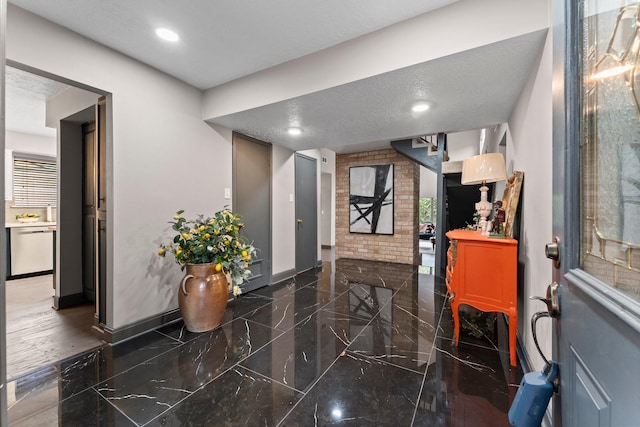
(216, 258)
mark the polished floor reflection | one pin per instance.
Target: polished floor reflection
(356, 343)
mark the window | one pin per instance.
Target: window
(428, 209)
(35, 180)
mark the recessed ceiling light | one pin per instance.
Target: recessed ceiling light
(419, 107)
(167, 34)
(294, 131)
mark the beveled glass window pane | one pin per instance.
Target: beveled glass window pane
(610, 143)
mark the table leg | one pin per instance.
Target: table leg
(513, 322)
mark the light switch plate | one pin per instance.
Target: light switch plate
(227, 193)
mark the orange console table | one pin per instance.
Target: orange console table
(481, 272)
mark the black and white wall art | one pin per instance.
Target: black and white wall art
(371, 199)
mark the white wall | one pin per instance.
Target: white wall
(284, 220)
(162, 157)
(529, 146)
(329, 216)
(428, 183)
(27, 143)
(461, 145)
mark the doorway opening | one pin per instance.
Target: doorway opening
(44, 118)
(427, 214)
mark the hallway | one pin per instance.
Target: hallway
(358, 343)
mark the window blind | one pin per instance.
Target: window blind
(35, 182)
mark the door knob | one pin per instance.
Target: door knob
(552, 251)
(552, 300)
(299, 221)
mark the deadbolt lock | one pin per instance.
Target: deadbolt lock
(552, 251)
(299, 221)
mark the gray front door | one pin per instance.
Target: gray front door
(252, 200)
(306, 213)
(596, 213)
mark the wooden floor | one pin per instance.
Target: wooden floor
(37, 334)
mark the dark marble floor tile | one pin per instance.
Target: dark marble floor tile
(237, 398)
(327, 282)
(52, 384)
(467, 381)
(382, 274)
(291, 284)
(487, 330)
(287, 311)
(46, 387)
(358, 391)
(85, 409)
(361, 301)
(399, 335)
(238, 307)
(124, 355)
(178, 331)
(150, 388)
(285, 287)
(301, 355)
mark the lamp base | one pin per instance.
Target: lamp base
(484, 208)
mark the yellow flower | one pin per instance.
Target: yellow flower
(176, 217)
(178, 251)
(226, 242)
(216, 232)
(218, 267)
(185, 236)
(161, 252)
(202, 227)
(237, 244)
(207, 236)
(244, 254)
(236, 290)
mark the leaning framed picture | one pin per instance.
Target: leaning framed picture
(371, 199)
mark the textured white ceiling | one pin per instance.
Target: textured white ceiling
(26, 97)
(224, 39)
(465, 91)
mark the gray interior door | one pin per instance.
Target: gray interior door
(89, 210)
(306, 213)
(252, 200)
(596, 214)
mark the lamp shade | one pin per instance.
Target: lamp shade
(483, 168)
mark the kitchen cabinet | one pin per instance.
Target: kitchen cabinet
(482, 272)
(29, 249)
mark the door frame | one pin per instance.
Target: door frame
(267, 268)
(600, 298)
(315, 200)
(3, 244)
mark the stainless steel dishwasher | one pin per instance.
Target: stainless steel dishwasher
(31, 250)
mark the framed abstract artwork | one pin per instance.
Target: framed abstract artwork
(371, 199)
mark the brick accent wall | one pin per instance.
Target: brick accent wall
(402, 246)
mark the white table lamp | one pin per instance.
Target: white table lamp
(482, 169)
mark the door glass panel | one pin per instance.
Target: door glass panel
(610, 143)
